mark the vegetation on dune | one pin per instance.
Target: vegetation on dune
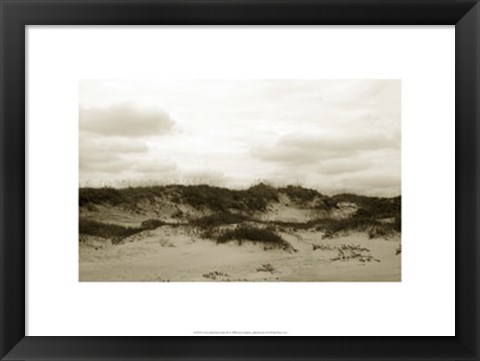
(213, 275)
(114, 232)
(117, 196)
(346, 252)
(299, 225)
(299, 194)
(108, 195)
(260, 195)
(204, 196)
(398, 250)
(152, 224)
(378, 217)
(373, 227)
(374, 207)
(267, 267)
(397, 223)
(371, 211)
(333, 227)
(218, 199)
(241, 233)
(218, 219)
(213, 227)
(255, 198)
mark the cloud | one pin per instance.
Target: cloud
(155, 167)
(304, 149)
(106, 160)
(204, 177)
(363, 162)
(374, 183)
(325, 134)
(100, 145)
(109, 156)
(124, 120)
(343, 166)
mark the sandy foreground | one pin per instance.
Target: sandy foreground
(172, 254)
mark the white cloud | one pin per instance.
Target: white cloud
(301, 148)
(124, 120)
(327, 134)
(108, 156)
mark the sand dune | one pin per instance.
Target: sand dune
(178, 254)
(204, 233)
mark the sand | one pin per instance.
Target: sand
(176, 254)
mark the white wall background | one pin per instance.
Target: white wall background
(422, 304)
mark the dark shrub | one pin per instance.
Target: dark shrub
(267, 267)
(115, 232)
(218, 199)
(299, 194)
(204, 196)
(259, 196)
(106, 230)
(363, 213)
(248, 233)
(330, 203)
(375, 229)
(371, 206)
(152, 224)
(397, 223)
(100, 195)
(129, 196)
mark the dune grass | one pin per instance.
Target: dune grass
(241, 233)
(333, 227)
(373, 207)
(371, 226)
(299, 194)
(377, 216)
(219, 219)
(114, 232)
(218, 199)
(255, 198)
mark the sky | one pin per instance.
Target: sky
(331, 135)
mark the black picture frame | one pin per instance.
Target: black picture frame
(16, 14)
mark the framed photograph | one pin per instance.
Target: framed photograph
(239, 168)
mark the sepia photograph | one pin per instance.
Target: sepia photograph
(240, 180)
